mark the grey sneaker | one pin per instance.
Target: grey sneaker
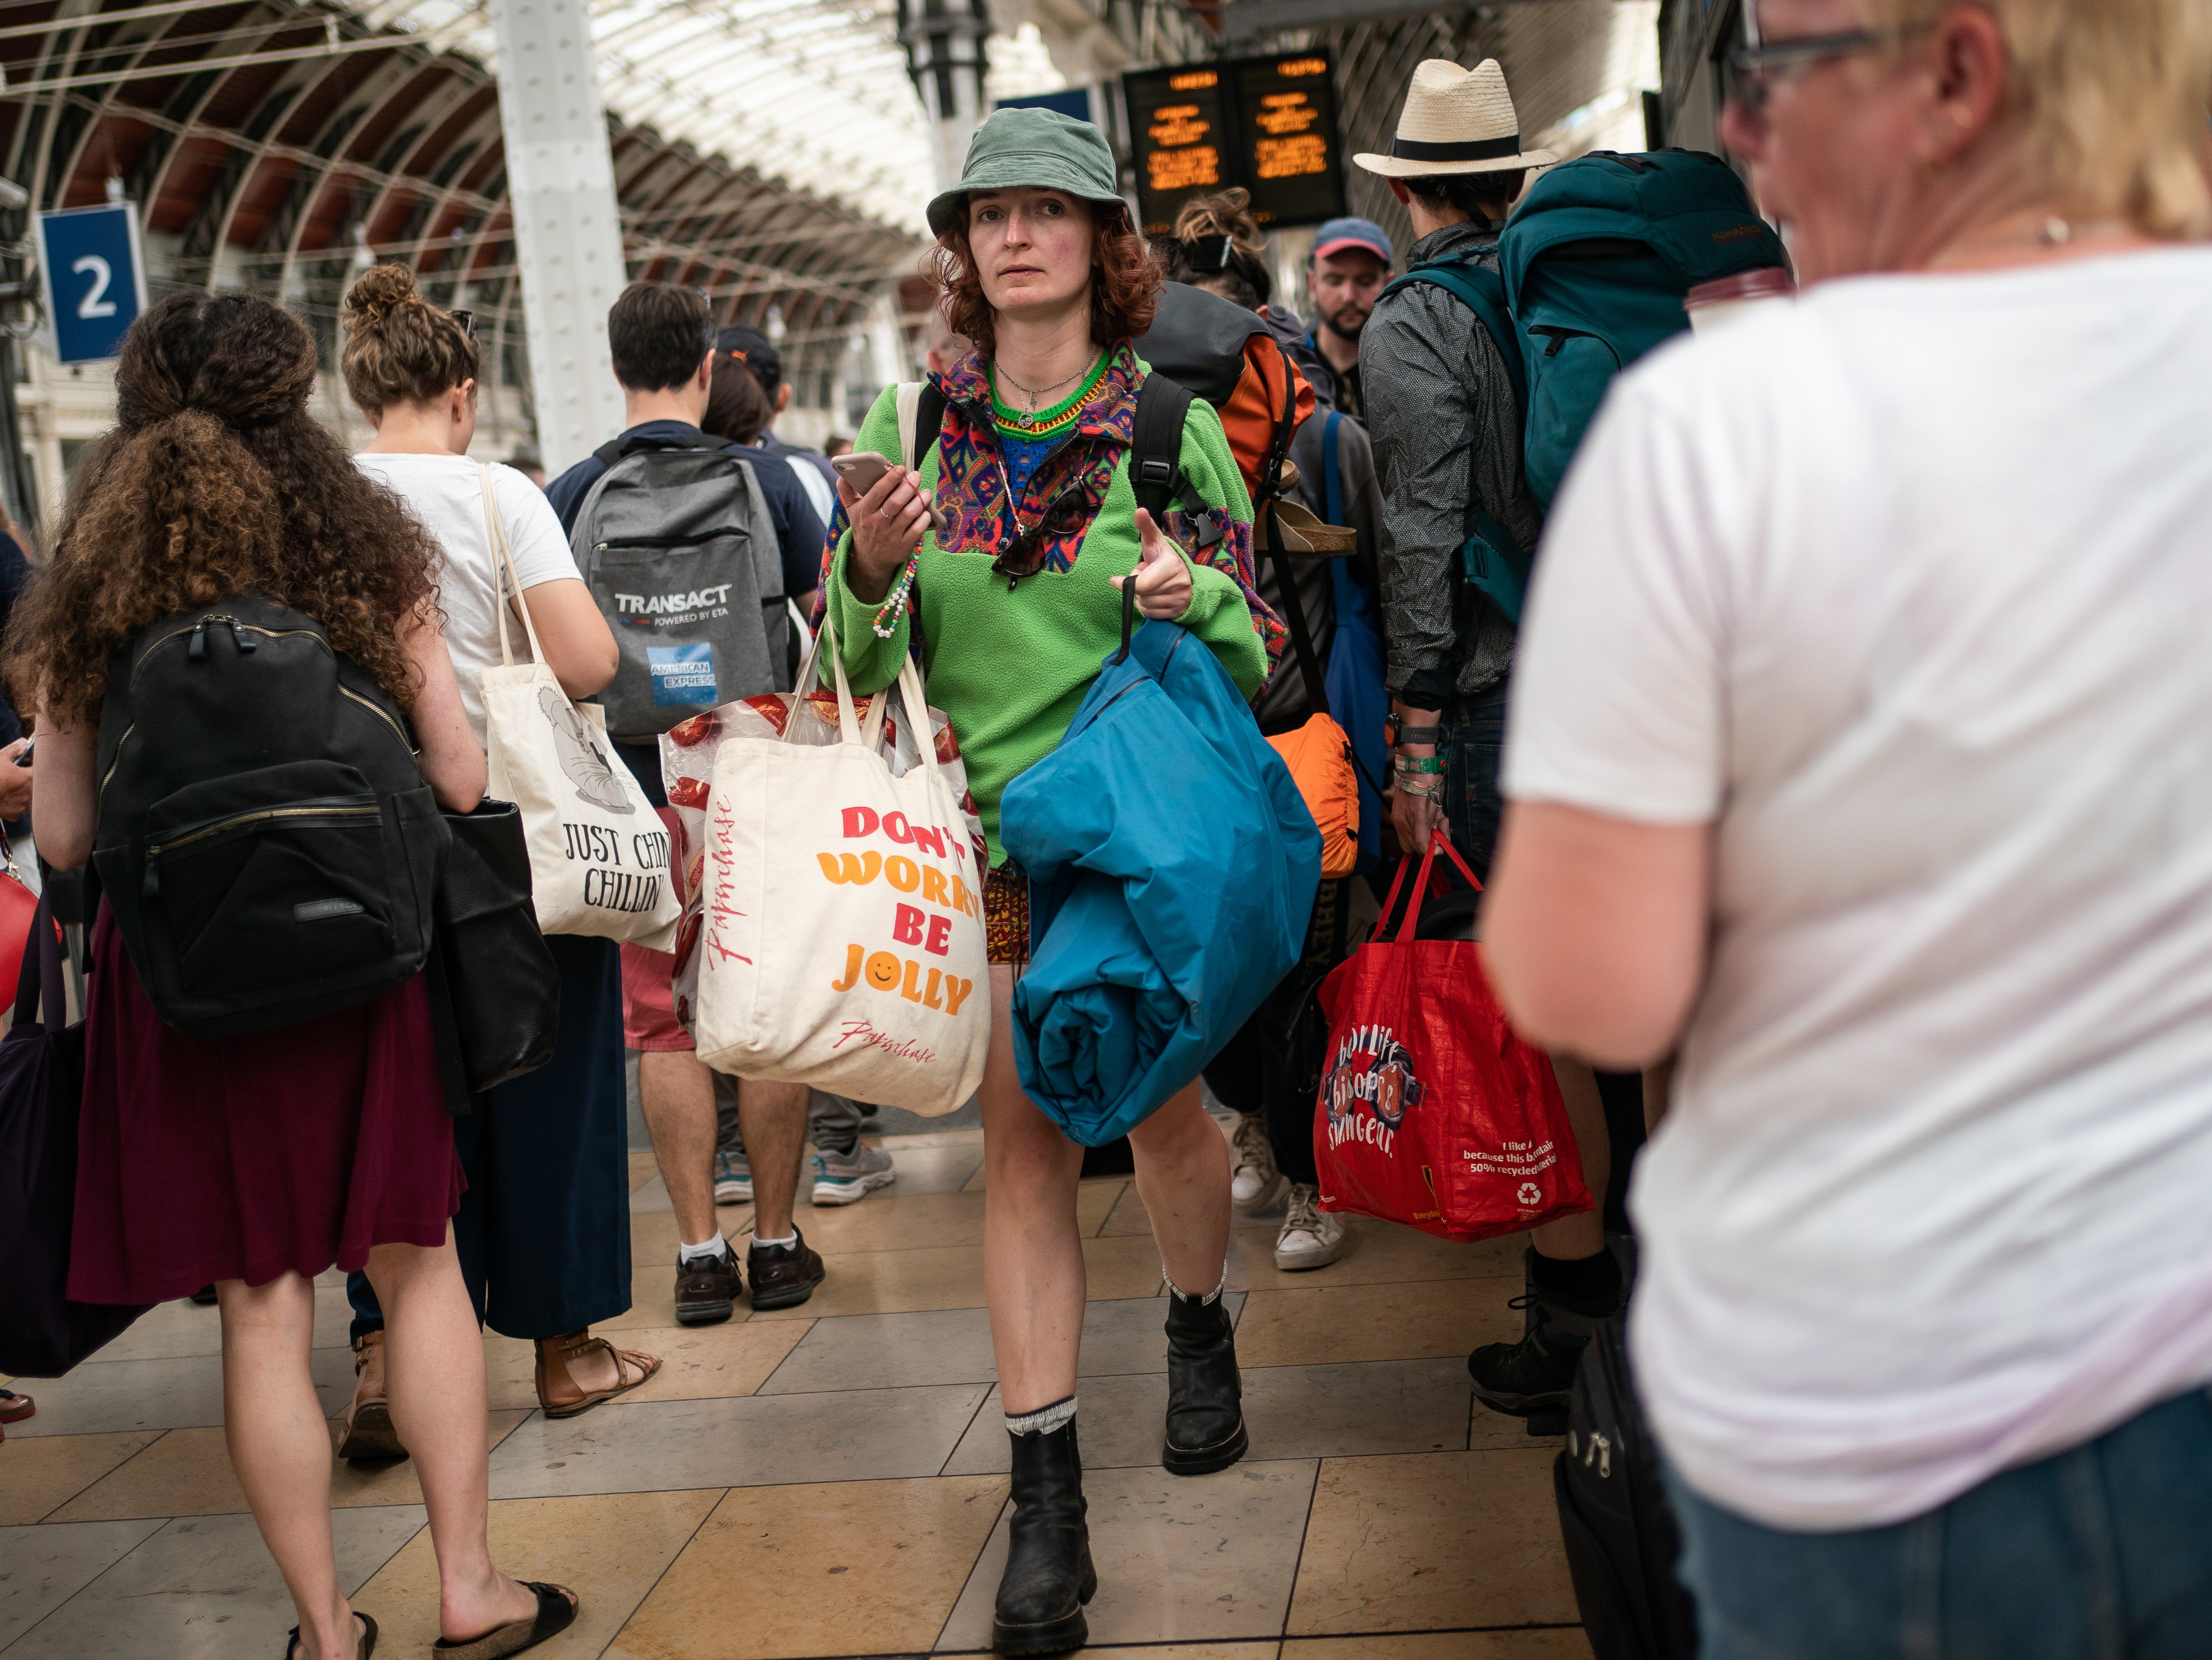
(846, 1178)
(733, 1179)
(1311, 1237)
(1255, 1183)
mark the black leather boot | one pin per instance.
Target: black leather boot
(1048, 1574)
(1206, 1414)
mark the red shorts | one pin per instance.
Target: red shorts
(648, 1000)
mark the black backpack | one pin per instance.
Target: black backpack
(264, 838)
(1619, 1531)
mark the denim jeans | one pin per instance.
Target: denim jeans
(2104, 1553)
(1473, 750)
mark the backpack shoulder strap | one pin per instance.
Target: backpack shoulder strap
(920, 421)
(1156, 457)
(1331, 487)
(1482, 291)
(928, 422)
(1156, 444)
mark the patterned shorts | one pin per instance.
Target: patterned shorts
(1007, 913)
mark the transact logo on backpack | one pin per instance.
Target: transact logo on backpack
(646, 611)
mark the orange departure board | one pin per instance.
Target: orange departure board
(1269, 124)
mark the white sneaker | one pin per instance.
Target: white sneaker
(1311, 1237)
(1255, 1183)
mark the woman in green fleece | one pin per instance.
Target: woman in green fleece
(1014, 602)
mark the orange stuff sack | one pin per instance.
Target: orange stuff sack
(1318, 756)
(1254, 412)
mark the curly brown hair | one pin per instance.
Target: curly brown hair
(1125, 288)
(399, 348)
(216, 480)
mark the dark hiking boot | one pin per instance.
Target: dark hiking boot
(784, 1276)
(1048, 1574)
(1206, 1414)
(1534, 1378)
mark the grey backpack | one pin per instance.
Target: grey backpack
(677, 544)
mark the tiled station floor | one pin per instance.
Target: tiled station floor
(830, 1480)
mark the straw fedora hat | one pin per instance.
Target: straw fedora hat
(1456, 121)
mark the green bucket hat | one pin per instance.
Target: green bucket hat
(1039, 149)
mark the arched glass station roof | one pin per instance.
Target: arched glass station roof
(772, 152)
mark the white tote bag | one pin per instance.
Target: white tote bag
(598, 853)
(842, 938)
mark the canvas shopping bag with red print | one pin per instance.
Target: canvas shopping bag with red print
(832, 934)
(1431, 1112)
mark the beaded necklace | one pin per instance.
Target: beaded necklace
(1045, 423)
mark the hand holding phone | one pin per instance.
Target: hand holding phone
(861, 470)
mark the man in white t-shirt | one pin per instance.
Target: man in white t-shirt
(1862, 736)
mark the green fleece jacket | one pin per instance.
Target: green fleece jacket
(1010, 667)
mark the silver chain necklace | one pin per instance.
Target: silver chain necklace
(1028, 419)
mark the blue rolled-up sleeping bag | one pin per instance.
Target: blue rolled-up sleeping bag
(1172, 866)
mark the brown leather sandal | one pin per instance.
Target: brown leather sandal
(574, 1347)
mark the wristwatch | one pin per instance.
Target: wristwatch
(1396, 731)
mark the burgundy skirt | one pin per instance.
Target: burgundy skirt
(242, 1157)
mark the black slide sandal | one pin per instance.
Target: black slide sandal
(367, 1639)
(557, 1612)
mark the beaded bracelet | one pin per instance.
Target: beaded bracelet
(895, 603)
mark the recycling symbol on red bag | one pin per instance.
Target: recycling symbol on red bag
(1530, 1194)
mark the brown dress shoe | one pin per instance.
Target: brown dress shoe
(707, 1289)
(784, 1276)
(368, 1432)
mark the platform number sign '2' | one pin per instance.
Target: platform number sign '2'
(94, 277)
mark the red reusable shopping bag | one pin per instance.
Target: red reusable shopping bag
(1432, 1113)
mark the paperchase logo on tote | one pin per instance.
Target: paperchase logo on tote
(1370, 1069)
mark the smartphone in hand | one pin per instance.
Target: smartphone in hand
(863, 470)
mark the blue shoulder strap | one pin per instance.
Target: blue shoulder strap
(1331, 493)
(1482, 291)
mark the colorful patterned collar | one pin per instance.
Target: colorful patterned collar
(1110, 412)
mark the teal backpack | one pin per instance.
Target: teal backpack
(1593, 269)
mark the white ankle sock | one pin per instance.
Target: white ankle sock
(791, 1238)
(1212, 1296)
(718, 1246)
(1044, 1420)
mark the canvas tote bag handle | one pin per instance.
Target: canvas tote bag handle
(503, 572)
(849, 724)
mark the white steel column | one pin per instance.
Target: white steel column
(947, 55)
(568, 232)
